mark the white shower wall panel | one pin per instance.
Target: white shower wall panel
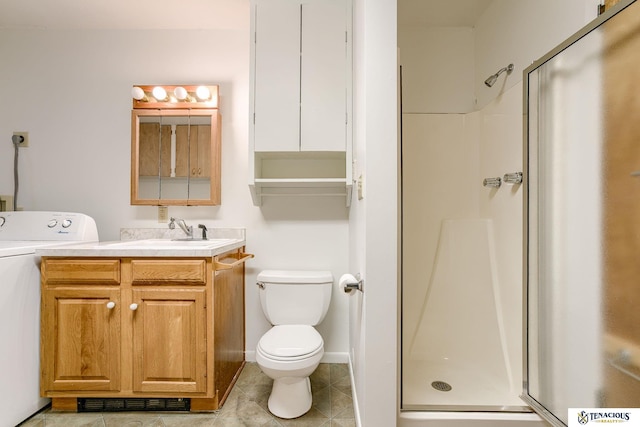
(501, 152)
(440, 171)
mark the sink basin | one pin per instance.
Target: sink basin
(172, 244)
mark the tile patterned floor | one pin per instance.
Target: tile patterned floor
(246, 406)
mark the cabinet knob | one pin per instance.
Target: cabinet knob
(193, 171)
(133, 306)
(110, 305)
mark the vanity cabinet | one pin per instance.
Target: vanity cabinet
(142, 327)
(300, 130)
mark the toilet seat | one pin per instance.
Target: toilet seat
(290, 342)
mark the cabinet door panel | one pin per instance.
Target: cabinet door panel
(323, 76)
(277, 76)
(81, 342)
(169, 341)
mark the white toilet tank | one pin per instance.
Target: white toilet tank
(295, 297)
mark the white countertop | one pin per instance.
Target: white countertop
(145, 248)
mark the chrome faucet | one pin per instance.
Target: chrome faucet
(204, 231)
(188, 230)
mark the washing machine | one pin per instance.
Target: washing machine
(21, 233)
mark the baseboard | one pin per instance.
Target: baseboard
(354, 396)
(329, 357)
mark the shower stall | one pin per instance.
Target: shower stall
(462, 317)
(462, 221)
(517, 296)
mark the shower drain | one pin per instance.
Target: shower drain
(441, 386)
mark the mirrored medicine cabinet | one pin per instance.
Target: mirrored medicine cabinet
(175, 146)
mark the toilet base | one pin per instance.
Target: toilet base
(290, 397)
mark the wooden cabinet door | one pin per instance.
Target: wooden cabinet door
(81, 339)
(169, 340)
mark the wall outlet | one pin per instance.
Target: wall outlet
(24, 138)
(6, 203)
(163, 214)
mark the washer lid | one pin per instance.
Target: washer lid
(290, 341)
(295, 276)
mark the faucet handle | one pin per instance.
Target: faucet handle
(172, 223)
(204, 231)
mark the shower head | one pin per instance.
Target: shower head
(492, 78)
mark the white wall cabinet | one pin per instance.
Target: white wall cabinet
(300, 130)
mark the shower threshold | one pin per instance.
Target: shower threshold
(464, 408)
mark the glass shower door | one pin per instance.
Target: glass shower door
(582, 240)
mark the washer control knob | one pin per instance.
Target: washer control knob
(66, 223)
(52, 223)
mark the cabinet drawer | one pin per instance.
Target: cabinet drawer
(183, 272)
(81, 271)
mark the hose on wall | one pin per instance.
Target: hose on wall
(16, 144)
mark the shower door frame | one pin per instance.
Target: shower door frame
(529, 264)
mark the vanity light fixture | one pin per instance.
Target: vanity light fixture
(174, 96)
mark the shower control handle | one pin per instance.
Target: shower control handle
(513, 178)
(495, 182)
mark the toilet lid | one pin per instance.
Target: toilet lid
(290, 341)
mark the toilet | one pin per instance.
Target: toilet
(293, 301)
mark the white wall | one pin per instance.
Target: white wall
(70, 89)
(373, 223)
(520, 32)
(438, 66)
(446, 66)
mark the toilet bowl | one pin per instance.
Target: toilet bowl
(289, 352)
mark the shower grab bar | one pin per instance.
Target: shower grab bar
(513, 178)
(495, 182)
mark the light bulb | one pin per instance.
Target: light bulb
(138, 94)
(203, 93)
(159, 93)
(181, 94)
